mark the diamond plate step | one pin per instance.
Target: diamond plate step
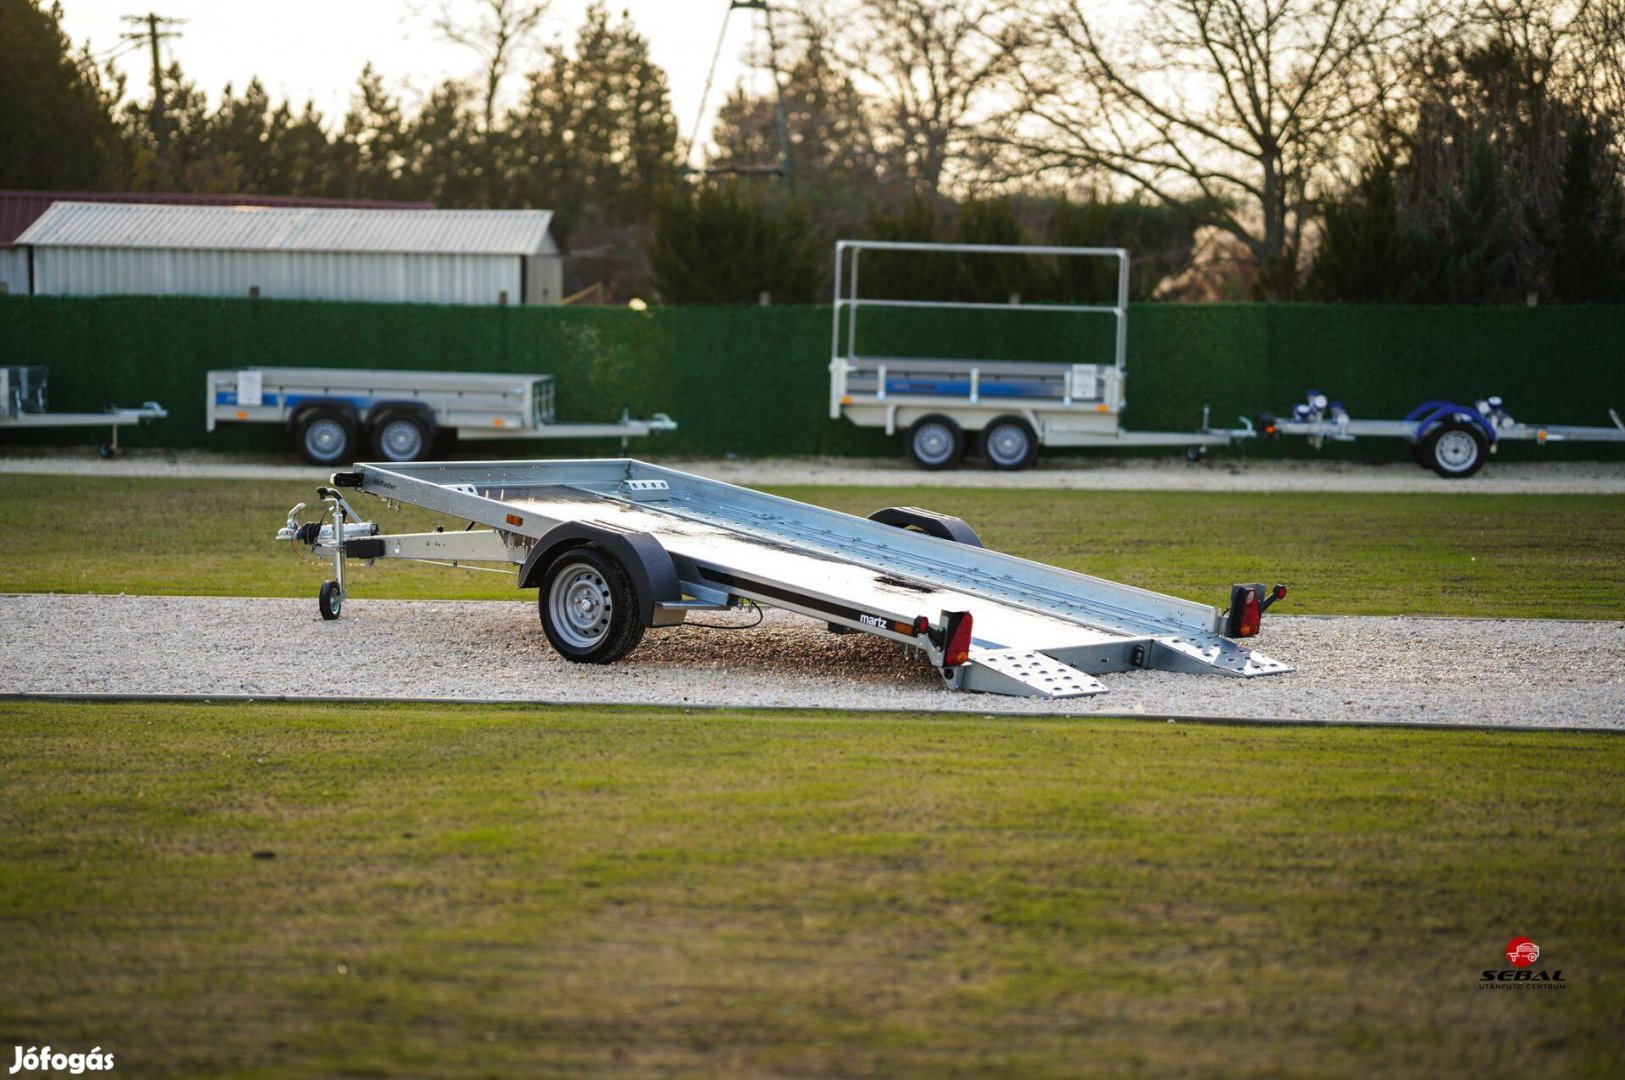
(1033, 673)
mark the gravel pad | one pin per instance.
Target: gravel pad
(1098, 472)
(1564, 674)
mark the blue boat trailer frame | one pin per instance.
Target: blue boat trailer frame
(1452, 439)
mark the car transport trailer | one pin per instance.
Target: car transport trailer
(23, 407)
(1451, 439)
(404, 412)
(618, 546)
(1017, 405)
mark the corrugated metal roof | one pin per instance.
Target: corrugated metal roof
(20, 209)
(267, 228)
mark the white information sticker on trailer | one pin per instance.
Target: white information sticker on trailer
(250, 388)
(1085, 381)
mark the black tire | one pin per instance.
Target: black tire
(324, 436)
(588, 607)
(1194, 454)
(105, 450)
(330, 600)
(1009, 443)
(1416, 454)
(1455, 450)
(402, 437)
(936, 442)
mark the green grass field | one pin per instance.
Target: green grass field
(500, 892)
(1547, 556)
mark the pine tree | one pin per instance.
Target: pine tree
(57, 128)
(725, 244)
(1364, 256)
(1588, 257)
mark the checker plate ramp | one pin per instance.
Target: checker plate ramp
(1032, 674)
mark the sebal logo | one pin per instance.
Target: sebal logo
(1522, 954)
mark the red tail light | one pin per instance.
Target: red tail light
(958, 626)
(1248, 615)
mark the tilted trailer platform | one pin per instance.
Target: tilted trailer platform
(618, 546)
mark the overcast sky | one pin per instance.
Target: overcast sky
(315, 49)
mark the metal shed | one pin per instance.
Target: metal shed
(305, 253)
(20, 209)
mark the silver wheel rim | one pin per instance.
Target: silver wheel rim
(1456, 451)
(579, 606)
(325, 439)
(1007, 444)
(401, 440)
(934, 443)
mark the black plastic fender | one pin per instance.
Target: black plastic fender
(646, 560)
(341, 406)
(384, 411)
(942, 526)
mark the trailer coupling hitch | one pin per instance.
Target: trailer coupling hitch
(338, 521)
(1247, 606)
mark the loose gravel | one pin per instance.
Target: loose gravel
(1496, 672)
(1220, 472)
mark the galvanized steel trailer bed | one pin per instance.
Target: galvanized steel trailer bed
(616, 546)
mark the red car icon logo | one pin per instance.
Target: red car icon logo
(1522, 952)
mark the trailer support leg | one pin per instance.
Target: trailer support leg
(338, 549)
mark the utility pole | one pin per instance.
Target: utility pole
(154, 33)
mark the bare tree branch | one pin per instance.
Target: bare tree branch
(1233, 109)
(498, 36)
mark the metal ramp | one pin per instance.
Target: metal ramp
(1034, 630)
(1022, 673)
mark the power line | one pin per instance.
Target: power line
(154, 33)
(782, 167)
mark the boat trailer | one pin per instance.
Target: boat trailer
(617, 546)
(1453, 440)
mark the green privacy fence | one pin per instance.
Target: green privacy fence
(754, 381)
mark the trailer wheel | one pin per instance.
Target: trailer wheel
(588, 606)
(1009, 443)
(401, 438)
(324, 437)
(105, 450)
(1455, 450)
(330, 600)
(936, 442)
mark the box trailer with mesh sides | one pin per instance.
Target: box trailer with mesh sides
(1012, 405)
(615, 547)
(402, 415)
